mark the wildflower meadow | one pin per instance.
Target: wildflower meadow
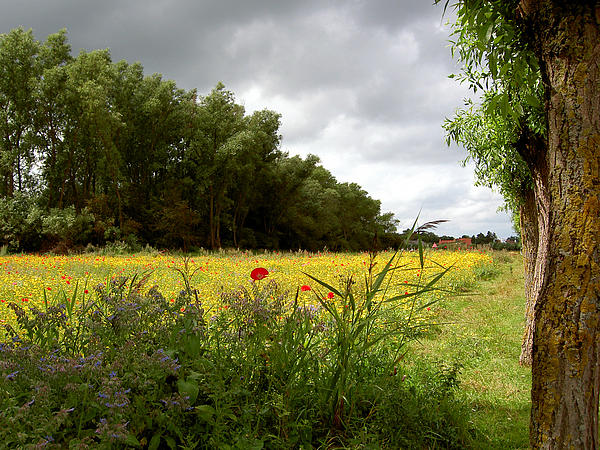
(28, 279)
(229, 350)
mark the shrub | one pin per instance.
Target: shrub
(20, 223)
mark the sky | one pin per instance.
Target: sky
(363, 84)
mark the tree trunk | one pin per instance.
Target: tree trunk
(535, 255)
(530, 239)
(19, 174)
(566, 373)
(211, 218)
(534, 229)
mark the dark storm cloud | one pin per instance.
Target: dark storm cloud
(361, 83)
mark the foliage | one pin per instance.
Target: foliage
(26, 226)
(20, 222)
(489, 44)
(359, 330)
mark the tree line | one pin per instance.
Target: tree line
(92, 151)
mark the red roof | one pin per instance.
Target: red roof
(466, 241)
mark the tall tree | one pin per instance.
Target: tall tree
(156, 117)
(52, 112)
(128, 154)
(19, 72)
(359, 217)
(276, 198)
(563, 39)
(94, 162)
(256, 147)
(219, 120)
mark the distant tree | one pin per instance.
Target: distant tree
(215, 142)
(19, 72)
(53, 112)
(257, 148)
(177, 225)
(491, 237)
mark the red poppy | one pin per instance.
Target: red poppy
(259, 273)
(305, 288)
(330, 295)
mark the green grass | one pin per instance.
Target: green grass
(483, 332)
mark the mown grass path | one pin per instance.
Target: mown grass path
(483, 334)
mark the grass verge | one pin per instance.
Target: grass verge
(482, 333)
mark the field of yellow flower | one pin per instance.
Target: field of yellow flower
(25, 278)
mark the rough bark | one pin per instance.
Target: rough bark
(566, 373)
(530, 239)
(534, 228)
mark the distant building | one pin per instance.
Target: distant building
(464, 243)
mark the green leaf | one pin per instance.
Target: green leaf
(190, 388)
(532, 100)
(154, 442)
(435, 279)
(505, 108)
(171, 442)
(518, 108)
(412, 230)
(493, 66)
(132, 440)
(381, 276)
(254, 444)
(205, 413)
(489, 31)
(352, 301)
(326, 285)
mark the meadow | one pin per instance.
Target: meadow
(266, 350)
(28, 279)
